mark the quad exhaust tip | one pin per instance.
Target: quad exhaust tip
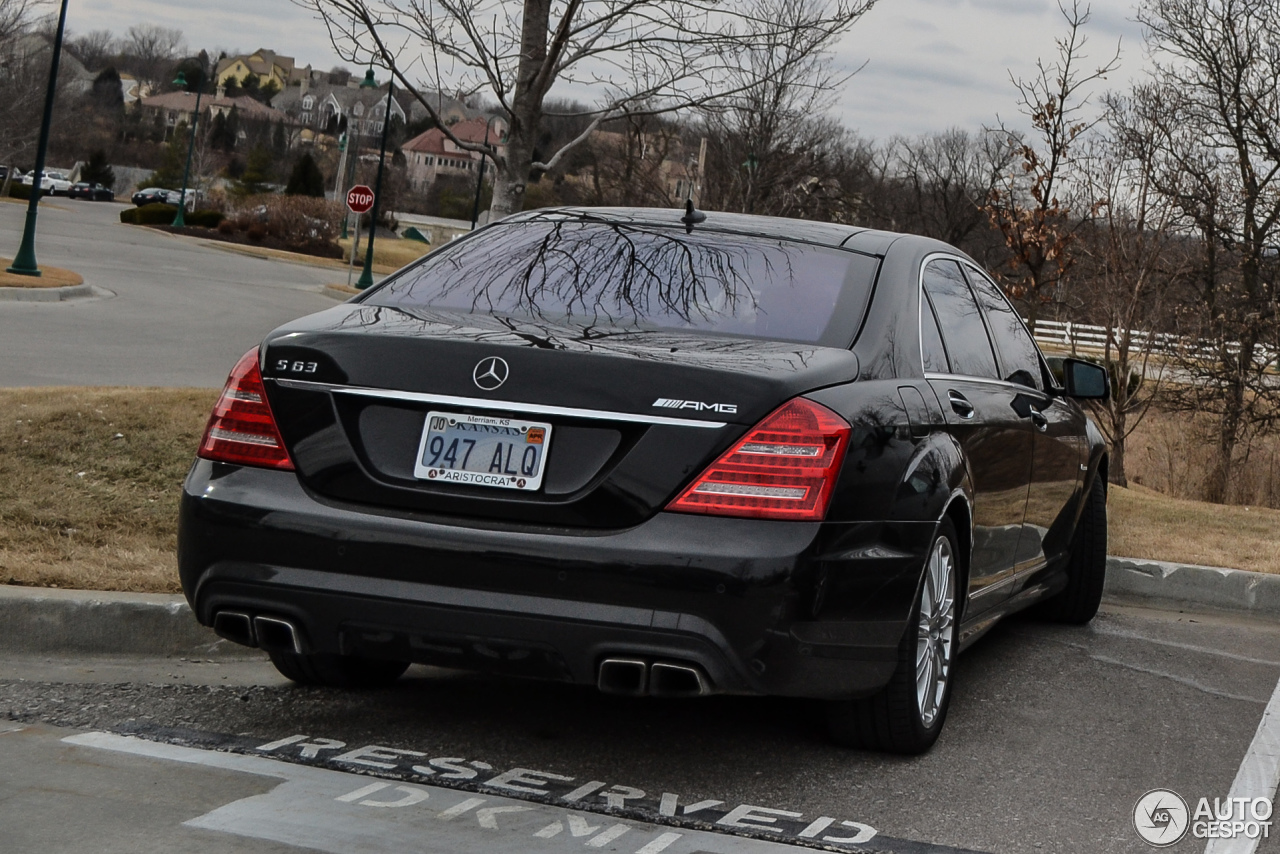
(235, 626)
(626, 676)
(274, 634)
(277, 635)
(632, 677)
(677, 680)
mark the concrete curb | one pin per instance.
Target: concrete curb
(39, 620)
(43, 620)
(46, 294)
(1174, 586)
(339, 292)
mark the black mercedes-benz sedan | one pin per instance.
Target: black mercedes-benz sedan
(661, 452)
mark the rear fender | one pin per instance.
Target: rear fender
(1097, 467)
(933, 477)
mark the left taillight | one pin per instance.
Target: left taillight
(784, 468)
(242, 429)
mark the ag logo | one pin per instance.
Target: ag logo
(1160, 817)
(490, 373)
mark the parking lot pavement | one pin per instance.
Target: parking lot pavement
(181, 314)
(1054, 734)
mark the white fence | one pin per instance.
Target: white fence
(1081, 337)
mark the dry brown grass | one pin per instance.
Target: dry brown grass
(50, 277)
(89, 484)
(81, 508)
(1147, 524)
(1173, 453)
(388, 255)
(385, 261)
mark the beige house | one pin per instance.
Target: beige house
(177, 107)
(267, 65)
(433, 155)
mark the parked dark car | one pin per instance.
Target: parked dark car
(92, 192)
(660, 454)
(156, 195)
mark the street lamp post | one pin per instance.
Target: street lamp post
(343, 143)
(180, 220)
(366, 274)
(475, 208)
(24, 263)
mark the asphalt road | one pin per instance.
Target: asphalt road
(174, 312)
(1054, 734)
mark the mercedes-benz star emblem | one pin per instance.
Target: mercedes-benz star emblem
(490, 373)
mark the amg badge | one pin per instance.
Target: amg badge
(697, 405)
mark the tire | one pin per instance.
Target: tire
(1086, 567)
(337, 671)
(908, 713)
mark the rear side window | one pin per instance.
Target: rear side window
(1018, 353)
(623, 275)
(962, 328)
(932, 350)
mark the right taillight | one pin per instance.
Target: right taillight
(242, 429)
(784, 468)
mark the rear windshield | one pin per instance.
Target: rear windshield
(591, 273)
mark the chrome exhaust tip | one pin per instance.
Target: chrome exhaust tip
(667, 679)
(277, 635)
(235, 626)
(626, 676)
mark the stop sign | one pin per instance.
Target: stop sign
(360, 199)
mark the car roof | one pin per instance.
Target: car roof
(865, 240)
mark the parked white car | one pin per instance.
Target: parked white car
(52, 183)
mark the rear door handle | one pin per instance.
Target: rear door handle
(960, 404)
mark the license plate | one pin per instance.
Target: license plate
(481, 450)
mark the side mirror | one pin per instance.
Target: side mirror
(1085, 380)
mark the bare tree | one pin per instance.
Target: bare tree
(947, 179)
(1030, 205)
(1133, 257)
(16, 17)
(152, 52)
(22, 80)
(641, 56)
(769, 140)
(627, 162)
(1212, 105)
(94, 49)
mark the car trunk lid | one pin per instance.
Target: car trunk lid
(633, 414)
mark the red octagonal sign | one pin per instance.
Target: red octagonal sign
(360, 199)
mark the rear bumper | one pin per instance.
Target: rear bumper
(808, 610)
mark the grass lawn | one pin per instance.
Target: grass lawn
(1148, 524)
(392, 254)
(89, 484)
(50, 277)
(90, 478)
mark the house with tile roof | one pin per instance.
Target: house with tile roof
(178, 107)
(432, 155)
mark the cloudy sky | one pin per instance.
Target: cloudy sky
(931, 64)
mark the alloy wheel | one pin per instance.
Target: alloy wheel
(936, 638)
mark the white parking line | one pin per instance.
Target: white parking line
(1258, 777)
(1189, 647)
